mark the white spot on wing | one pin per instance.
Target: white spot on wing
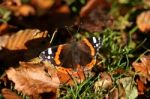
(48, 57)
(97, 45)
(49, 51)
(94, 40)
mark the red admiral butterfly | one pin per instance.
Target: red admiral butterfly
(74, 54)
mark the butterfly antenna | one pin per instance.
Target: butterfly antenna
(68, 30)
(79, 27)
(54, 33)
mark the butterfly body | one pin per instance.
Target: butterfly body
(71, 55)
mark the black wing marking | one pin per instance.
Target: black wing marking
(96, 42)
(49, 54)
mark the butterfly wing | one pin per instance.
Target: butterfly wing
(73, 54)
(80, 53)
(88, 48)
(49, 54)
(58, 55)
(96, 42)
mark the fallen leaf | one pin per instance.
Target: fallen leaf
(34, 79)
(3, 40)
(127, 84)
(113, 94)
(63, 9)
(121, 91)
(91, 4)
(69, 76)
(43, 4)
(18, 8)
(140, 86)
(147, 2)
(22, 45)
(18, 40)
(24, 10)
(3, 27)
(8, 94)
(105, 82)
(97, 20)
(143, 68)
(12, 2)
(143, 22)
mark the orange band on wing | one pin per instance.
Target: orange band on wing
(90, 46)
(91, 64)
(56, 58)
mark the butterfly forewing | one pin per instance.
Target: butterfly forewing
(48, 54)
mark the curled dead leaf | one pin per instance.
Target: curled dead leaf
(97, 20)
(24, 10)
(113, 94)
(18, 9)
(8, 94)
(22, 45)
(18, 40)
(43, 4)
(127, 88)
(141, 87)
(147, 2)
(3, 40)
(105, 82)
(69, 76)
(3, 27)
(91, 4)
(34, 79)
(12, 2)
(143, 68)
(143, 21)
(63, 9)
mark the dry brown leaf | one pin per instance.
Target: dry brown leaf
(24, 10)
(105, 82)
(43, 4)
(63, 9)
(23, 45)
(143, 21)
(140, 86)
(113, 94)
(69, 76)
(147, 2)
(12, 2)
(91, 4)
(121, 91)
(17, 8)
(127, 88)
(8, 94)
(3, 27)
(97, 20)
(6, 29)
(18, 40)
(143, 68)
(34, 79)
(3, 40)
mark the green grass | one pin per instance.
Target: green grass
(80, 91)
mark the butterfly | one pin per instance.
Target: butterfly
(71, 55)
